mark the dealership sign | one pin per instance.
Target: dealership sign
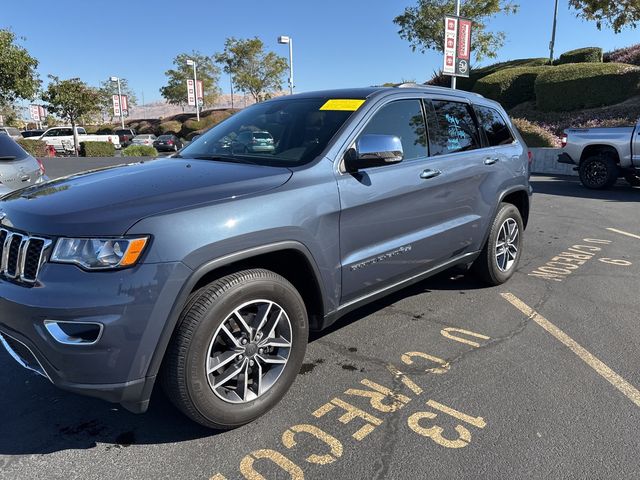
(191, 93)
(37, 113)
(120, 107)
(457, 46)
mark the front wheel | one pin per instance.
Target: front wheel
(598, 172)
(237, 350)
(633, 179)
(500, 256)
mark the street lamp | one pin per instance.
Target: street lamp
(285, 40)
(195, 86)
(117, 80)
(552, 44)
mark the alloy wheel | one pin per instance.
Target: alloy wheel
(507, 245)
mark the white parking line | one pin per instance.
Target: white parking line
(621, 232)
(609, 375)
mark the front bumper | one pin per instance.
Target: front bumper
(132, 305)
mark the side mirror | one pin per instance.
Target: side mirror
(374, 151)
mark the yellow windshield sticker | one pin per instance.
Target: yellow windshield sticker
(342, 104)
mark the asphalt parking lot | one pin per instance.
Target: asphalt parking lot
(537, 378)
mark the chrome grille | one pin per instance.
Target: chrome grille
(21, 255)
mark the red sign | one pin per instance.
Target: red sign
(457, 46)
(464, 39)
(125, 103)
(199, 90)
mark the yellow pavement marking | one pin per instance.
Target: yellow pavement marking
(603, 370)
(622, 232)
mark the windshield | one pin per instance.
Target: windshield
(285, 133)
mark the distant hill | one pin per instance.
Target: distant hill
(162, 109)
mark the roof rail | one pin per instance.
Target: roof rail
(433, 87)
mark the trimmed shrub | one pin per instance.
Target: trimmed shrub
(511, 86)
(630, 55)
(534, 135)
(97, 149)
(205, 123)
(172, 126)
(581, 55)
(586, 85)
(477, 73)
(145, 127)
(35, 148)
(139, 151)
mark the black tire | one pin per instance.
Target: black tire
(184, 377)
(486, 265)
(633, 179)
(598, 172)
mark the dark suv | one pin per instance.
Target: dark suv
(207, 270)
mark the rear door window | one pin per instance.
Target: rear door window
(495, 128)
(403, 119)
(451, 128)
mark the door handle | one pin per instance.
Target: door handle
(491, 160)
(427, 174)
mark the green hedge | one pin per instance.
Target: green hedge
(35, 148)
(586, 85)
(172, 126)
(534, 135)
(97, 149)
(139, 151)
(477, 73)
(511, 86)
(581, 55)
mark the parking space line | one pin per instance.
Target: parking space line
(603, 370)
(622, 232)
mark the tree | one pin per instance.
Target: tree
(175, 92)
(423, 24)
(71, 99)
(253, 70)
(108, 89)
(616, 14)
(18, 76)
(10, 114)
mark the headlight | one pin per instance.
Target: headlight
(97, 254)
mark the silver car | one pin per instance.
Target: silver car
(144, 139)
(18, 169)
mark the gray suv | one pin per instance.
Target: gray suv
(207, 270)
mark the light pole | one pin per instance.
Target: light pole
(552, 44)
(284, 40)
(454, 79)
(117, 80)
(195, 87)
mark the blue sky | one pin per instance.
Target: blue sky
(336, 43)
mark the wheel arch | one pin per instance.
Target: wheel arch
(291, 259)
(519, 197)
(600, 149)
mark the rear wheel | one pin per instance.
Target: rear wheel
(633, 179)
(238, 349)
(598, 172)
(500, 256)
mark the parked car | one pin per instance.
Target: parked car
(253, 142)
(602, 155)
(31, 133)
(13, 132)
(145, 139)
(61, 137)
(210, 273)
(125, 135)
(167, 143)
(18, 169)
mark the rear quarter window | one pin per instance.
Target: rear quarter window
(495, 127)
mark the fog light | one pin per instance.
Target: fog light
(74, 333)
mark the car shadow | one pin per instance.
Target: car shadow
(38, 418)
(565, 186)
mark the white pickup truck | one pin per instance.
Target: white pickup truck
(602, 155)
(61, 138)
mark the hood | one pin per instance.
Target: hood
(109, 201)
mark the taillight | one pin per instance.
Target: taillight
(530, 155)
(564, 140)
(169, 142)
(40, 165)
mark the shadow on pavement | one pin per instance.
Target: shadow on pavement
(571, 187)
(38, 418)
